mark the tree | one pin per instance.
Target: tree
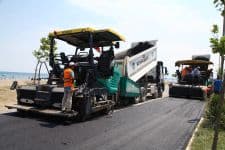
(44, 49)
(218, 46)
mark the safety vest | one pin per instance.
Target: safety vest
(68, 79)
(184, 72)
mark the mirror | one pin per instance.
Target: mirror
(117, 45)
(166, 71)
(82, 49)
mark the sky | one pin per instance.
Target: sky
(182, 27)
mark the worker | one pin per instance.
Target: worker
(196, 72)
(209, 77)
(68, 77)
(196, 75)
(184, 72)
(218, 85)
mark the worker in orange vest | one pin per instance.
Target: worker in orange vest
(184, 72)
(68, 77)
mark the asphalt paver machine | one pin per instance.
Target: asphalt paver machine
(91, 96)
(189, 86)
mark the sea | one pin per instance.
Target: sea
(170, 79)
(18, 75)
(23, 75)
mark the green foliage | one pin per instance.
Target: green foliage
(212, 110)
(215, 29)
(44, 49)
(174, 75)
(220, 6)
(217, 44)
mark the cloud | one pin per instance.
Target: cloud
(144, 12)
(148, 18)
(182, 30)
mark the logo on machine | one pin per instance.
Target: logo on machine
(140, 61)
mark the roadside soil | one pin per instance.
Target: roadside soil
(8, 96)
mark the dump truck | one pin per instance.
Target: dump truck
(189, 86)
(102, 81)
(137, 74)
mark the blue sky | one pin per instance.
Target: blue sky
(181, 27)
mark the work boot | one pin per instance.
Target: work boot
(69, 111)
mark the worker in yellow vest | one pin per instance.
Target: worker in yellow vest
(68, 77)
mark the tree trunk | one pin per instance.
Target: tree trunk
(221, 100)
(219, 108)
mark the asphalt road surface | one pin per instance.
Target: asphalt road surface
(162, 124)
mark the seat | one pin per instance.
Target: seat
(64, 58)
(104, 63)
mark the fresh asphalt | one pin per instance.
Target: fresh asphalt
(162, 124)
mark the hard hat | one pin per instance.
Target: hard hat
(71, 64)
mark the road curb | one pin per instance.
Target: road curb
(193, 135)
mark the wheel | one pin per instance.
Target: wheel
(159, 95)
(143, 98)
(143, 94)
(115, 98)
(136, 100)
(107, 110)
(124, 101)
(155, 95)
(160, 92)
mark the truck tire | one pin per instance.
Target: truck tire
(137, 100)
(107, 110)
(159, 95)
(124, 101)
(115, 98)
(143, 94)
(143, 98)
(155, 95)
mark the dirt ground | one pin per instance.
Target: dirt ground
(8, 96)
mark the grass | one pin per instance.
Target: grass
(203, 139)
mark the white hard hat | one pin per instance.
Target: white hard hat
(71, 64)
